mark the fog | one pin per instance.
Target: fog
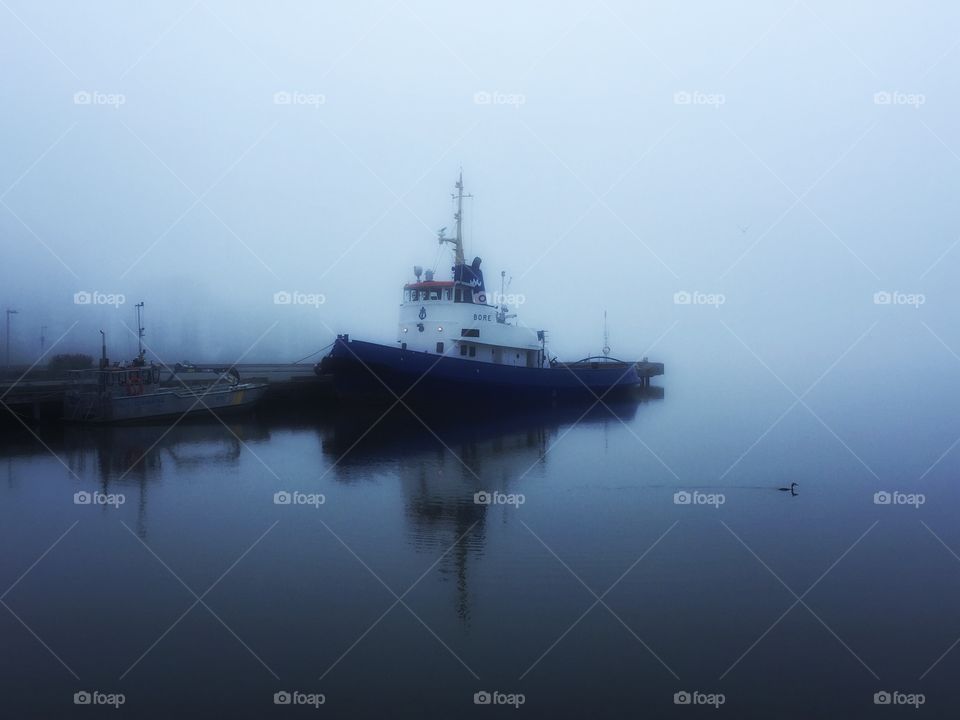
(780, 163)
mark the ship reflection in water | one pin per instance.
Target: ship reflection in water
(455, 470)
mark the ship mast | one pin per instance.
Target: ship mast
(458, 240)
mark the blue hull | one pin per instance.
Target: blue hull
(368, 369)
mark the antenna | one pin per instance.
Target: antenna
(606, 336)
(502, 312)
(139, 307)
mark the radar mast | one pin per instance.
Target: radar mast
(458, 216)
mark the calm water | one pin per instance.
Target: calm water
(400, 596)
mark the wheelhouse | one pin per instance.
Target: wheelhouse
(443, 291)
(428, 291)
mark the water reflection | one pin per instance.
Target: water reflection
(444, 458)
(438, 459)
(125, 458)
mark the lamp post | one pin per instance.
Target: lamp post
(9, 313)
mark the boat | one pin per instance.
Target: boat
(137, 391)
(456, 339)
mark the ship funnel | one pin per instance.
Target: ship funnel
(429, 275)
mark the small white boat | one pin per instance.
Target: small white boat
(135, 393)
(121, 393)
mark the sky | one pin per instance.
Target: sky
(773, 180)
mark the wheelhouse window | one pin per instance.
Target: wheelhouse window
(470, 332)
(435, 294)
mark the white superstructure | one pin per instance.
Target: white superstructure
(454, 317)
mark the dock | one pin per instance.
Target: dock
(647, 370)
(39, 398)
